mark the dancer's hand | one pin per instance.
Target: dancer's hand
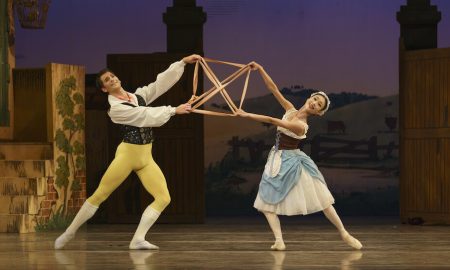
(183, 109)
(255, 66)
(242, 113)
(192, 58)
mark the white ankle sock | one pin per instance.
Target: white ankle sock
(87, 210)
(148, 218)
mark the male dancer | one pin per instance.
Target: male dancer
(134, 152)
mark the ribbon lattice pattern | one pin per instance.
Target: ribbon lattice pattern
(219, 86)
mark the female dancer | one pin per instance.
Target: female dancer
(291, 183)
(134, 153)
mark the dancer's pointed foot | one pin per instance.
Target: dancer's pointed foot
(63, 239)
(143, 245)
(278, 245)
(351, 241)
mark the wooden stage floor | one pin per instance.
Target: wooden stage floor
(312, 243)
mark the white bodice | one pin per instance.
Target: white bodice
(288, 116)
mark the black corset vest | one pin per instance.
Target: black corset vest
(137, 135)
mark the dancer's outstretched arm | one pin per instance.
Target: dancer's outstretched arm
(165, 80)
(296, 127)
(272, 86)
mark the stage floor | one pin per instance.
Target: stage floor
(234, 243)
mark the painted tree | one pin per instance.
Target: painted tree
(72, 160)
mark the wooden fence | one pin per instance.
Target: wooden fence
(322, 148)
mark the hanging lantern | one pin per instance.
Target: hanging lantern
(32, 13)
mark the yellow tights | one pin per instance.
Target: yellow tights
(138, 158)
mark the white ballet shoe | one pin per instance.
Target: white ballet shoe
(63, 239)
(142, 245)
(351, 241)
(278, 245)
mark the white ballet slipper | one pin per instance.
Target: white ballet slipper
(142, 245)
(280, 246)
(351, 241)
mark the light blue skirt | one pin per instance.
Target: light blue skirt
(292, 185)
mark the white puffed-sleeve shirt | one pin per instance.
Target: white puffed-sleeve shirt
(141, 116)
